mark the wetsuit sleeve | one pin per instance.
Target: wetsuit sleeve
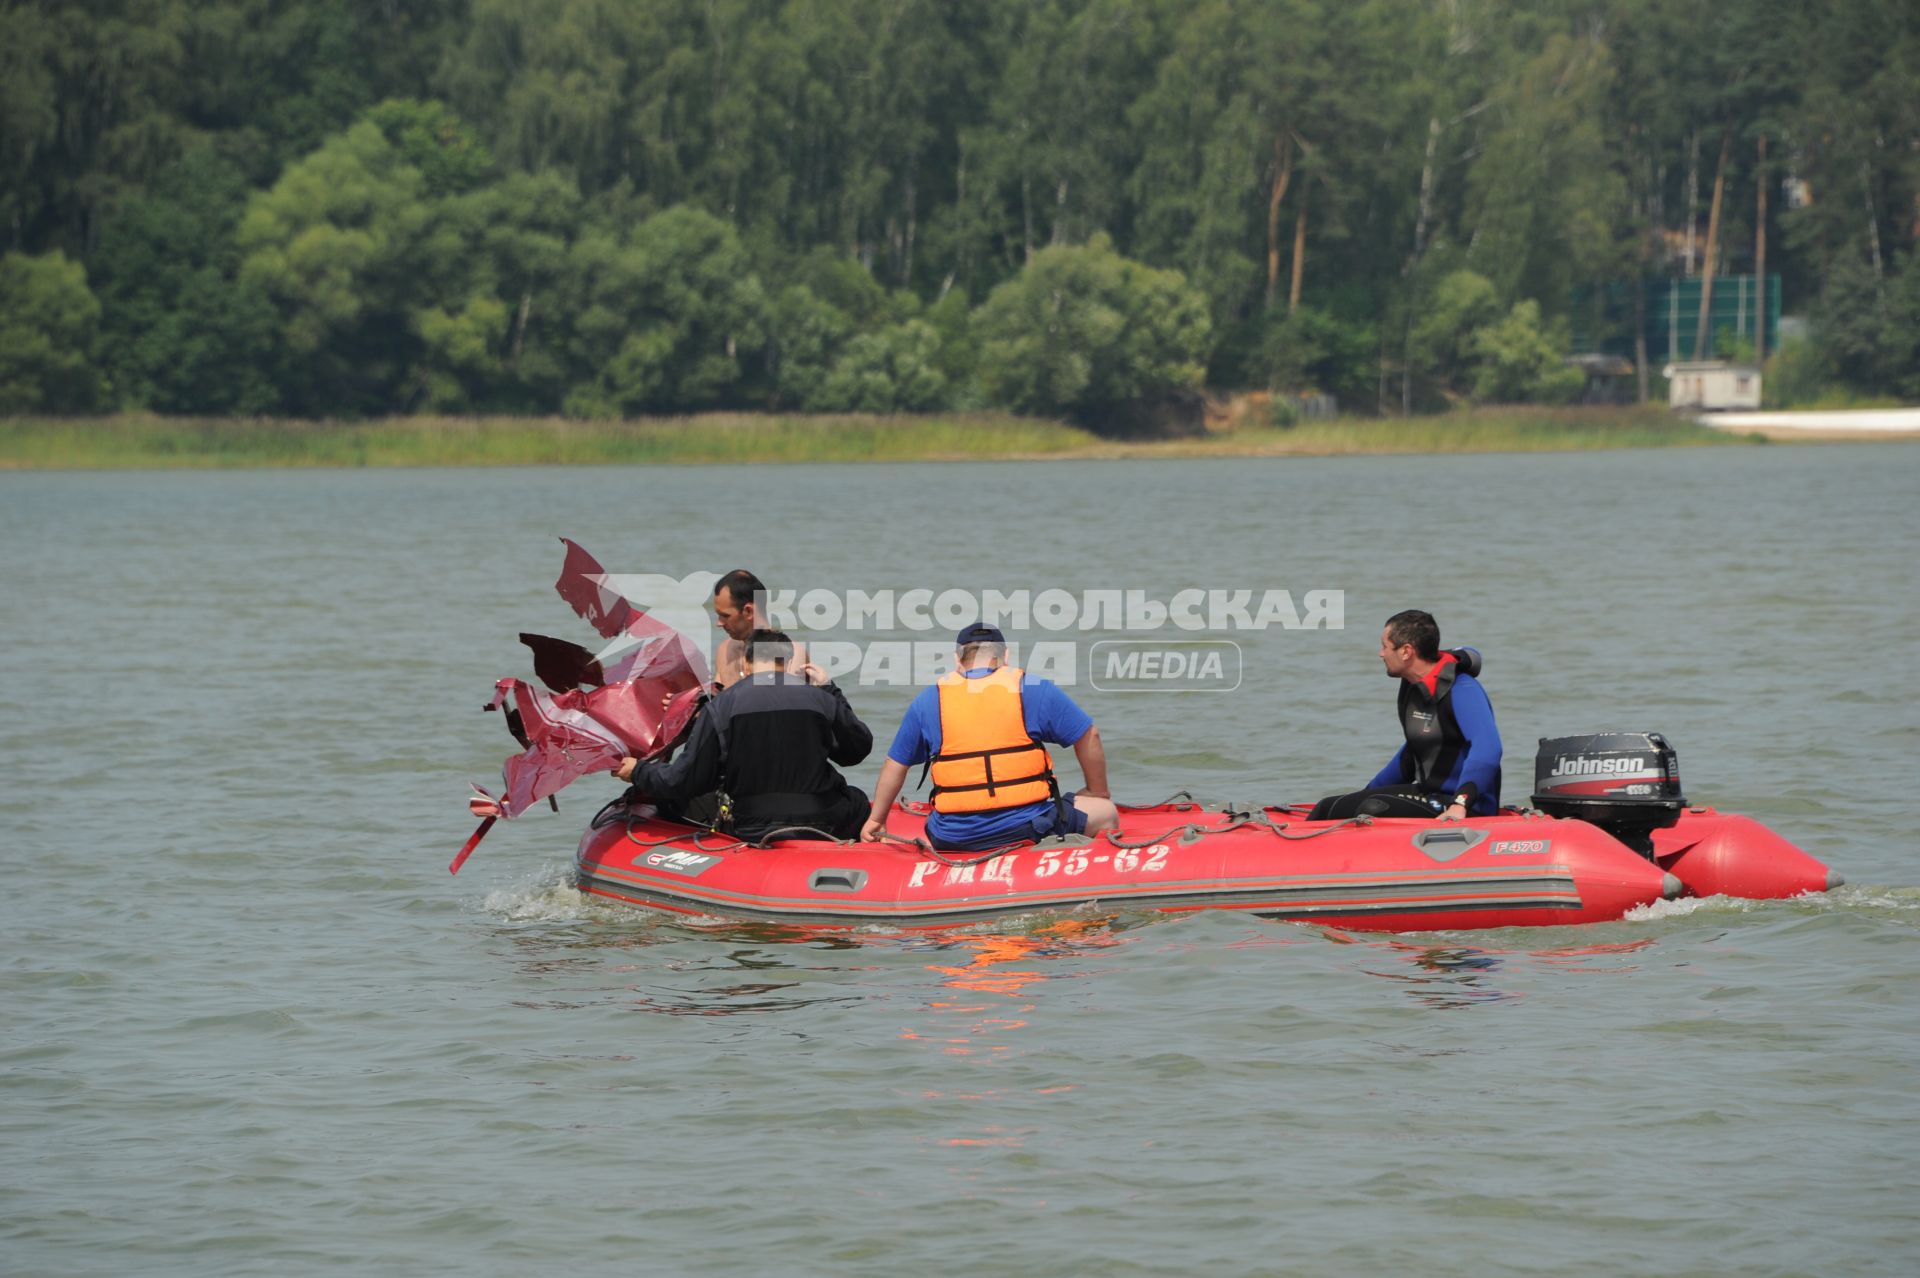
(1480, 769)
(852, 739)
(1399, 771)
(695, 771)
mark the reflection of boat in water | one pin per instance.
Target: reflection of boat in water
(1516, 869)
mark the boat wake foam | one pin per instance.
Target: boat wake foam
(547, 896)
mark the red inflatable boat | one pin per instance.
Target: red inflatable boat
(1609, 828)
(1517, 869)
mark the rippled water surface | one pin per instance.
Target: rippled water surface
(253, 1026)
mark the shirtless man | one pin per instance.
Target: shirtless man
(736, 609)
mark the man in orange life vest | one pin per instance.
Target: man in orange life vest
(982, 727)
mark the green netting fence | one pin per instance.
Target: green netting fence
(1603, 318)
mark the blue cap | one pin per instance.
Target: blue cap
(979, 632)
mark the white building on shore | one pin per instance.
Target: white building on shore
(1712, 385)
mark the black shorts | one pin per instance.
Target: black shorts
(1381, 801)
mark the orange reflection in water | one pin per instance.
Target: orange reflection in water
(1005, 968)
(1061, 939)
(982, 1028)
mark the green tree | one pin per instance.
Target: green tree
(293, 74)
(29, 115)
(895, 370)
(1083, 330)
(804, 336)
(1853, 136)
(551, 83)
(1315, 350)
(180, 333)
(1517, 360)
(1264, 132)
(48, 322)
(494, 328)
(434, 140)
(331, 244)
(1221, 138)
(357, 253)
(952, 318)
(95, 111)
(1867, 329)
(1439, 347)
(1316, 172)
(663, 316)
(1466, 346)
(1545, 205)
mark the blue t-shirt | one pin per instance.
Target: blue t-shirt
(1050, 716)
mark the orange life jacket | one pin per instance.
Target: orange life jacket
(987, 761)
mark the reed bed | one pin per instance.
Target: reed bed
(133, 441)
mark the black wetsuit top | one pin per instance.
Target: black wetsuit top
(770, 742)
(1452, 744)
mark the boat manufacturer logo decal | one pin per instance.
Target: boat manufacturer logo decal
(1580, 766)
(691, 864)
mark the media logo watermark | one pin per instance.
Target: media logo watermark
(1148, 665)
(1112, 640)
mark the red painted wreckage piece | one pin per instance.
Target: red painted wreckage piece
(1389, 875)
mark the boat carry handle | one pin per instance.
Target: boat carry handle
(838, 880)
(1446, 844)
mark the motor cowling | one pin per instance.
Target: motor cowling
(1627, 783)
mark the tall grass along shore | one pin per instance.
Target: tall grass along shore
(146, 442)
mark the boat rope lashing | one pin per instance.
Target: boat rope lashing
(917, 843)
(1280, 829)
(1187, 833)
(607, 816)
(920, 845)
(1191, 832)
(982, 859)
(650, 843)
(785, 831)
(1174, 800)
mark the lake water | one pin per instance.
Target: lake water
(252, 1025)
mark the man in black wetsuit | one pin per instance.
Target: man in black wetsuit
(769, 743)
(1450, 764)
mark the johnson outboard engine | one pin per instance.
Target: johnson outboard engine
(1627, 783)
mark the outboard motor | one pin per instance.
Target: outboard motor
(1627, 783)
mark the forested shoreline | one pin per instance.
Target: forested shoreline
(351, 208)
